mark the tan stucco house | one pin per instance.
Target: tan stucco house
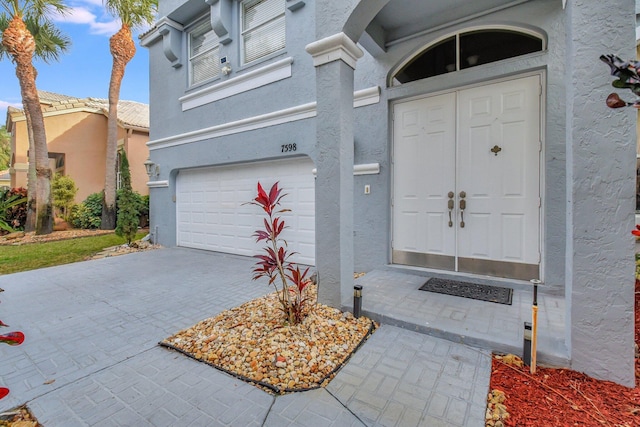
(5, 178)
(77, 134)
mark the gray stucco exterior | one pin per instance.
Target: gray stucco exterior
(588, 151)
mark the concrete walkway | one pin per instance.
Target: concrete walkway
(91, 356)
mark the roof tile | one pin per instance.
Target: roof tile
(130, 113)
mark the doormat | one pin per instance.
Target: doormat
(469, 290)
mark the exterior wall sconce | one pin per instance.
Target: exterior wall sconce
(153, 170)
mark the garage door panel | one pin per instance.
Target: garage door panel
(212, 212)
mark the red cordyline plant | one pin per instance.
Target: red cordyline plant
(12, 338)
(275, 264)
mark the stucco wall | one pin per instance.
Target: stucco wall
(167, 117)
(19, 148)
(372, 222)
(600, 194)
(81, 137)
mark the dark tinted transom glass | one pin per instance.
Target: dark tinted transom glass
(467, 50)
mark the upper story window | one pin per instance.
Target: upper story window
(204, 57)
(263, 28)
(466, 50)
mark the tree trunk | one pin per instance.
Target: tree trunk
(30, 225)
(43, 196)
(20, 44)
(122, 50)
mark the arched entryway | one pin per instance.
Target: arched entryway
(466, 162)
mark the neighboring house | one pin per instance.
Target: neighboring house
(77, 136)
(5, 179)
(467, 138)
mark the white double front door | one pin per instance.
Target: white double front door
(466, 169)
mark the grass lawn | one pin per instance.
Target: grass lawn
(14, 259)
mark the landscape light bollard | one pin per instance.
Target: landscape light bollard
(534, 323)
(357, 301)
(526, 350)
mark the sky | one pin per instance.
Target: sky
(84, 71)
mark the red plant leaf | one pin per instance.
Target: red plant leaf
(3, 392)
(635, 232)
(12, 338)
(263, 200)
(261, 235)
(2, 323)
(298, 278)
(282, 255)
(274, 194)
(278, 226)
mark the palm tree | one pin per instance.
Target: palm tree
(132, 14)
(27, 31)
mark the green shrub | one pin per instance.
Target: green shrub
(144, 212)
(144, 206)
(64, 190)
(13, 211)
(128, 203)
(87, 214)
(17, 215)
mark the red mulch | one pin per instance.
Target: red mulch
(561, 397)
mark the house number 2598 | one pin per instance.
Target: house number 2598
(288, 147)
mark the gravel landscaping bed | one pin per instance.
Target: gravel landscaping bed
(253, 343)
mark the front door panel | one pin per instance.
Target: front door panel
(424, 175)
(490, 160)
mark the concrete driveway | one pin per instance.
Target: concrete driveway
(91, 356)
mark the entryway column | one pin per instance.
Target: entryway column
(335, 60)
(601, 157)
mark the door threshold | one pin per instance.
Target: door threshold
(468, 277)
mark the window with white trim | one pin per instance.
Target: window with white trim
(263, 28)
(204, 53)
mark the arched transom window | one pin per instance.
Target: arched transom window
(467, 49)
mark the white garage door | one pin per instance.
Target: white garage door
(212, 214)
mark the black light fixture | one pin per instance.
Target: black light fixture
(357, 301)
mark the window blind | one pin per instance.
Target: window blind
(204, 55)
(263, 25)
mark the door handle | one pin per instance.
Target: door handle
(463, 206)
(450, 205)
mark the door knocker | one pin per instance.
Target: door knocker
(495, 150)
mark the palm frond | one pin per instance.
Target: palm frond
(50, 41)
(133, 13)
(4, 22)
(41, 9)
